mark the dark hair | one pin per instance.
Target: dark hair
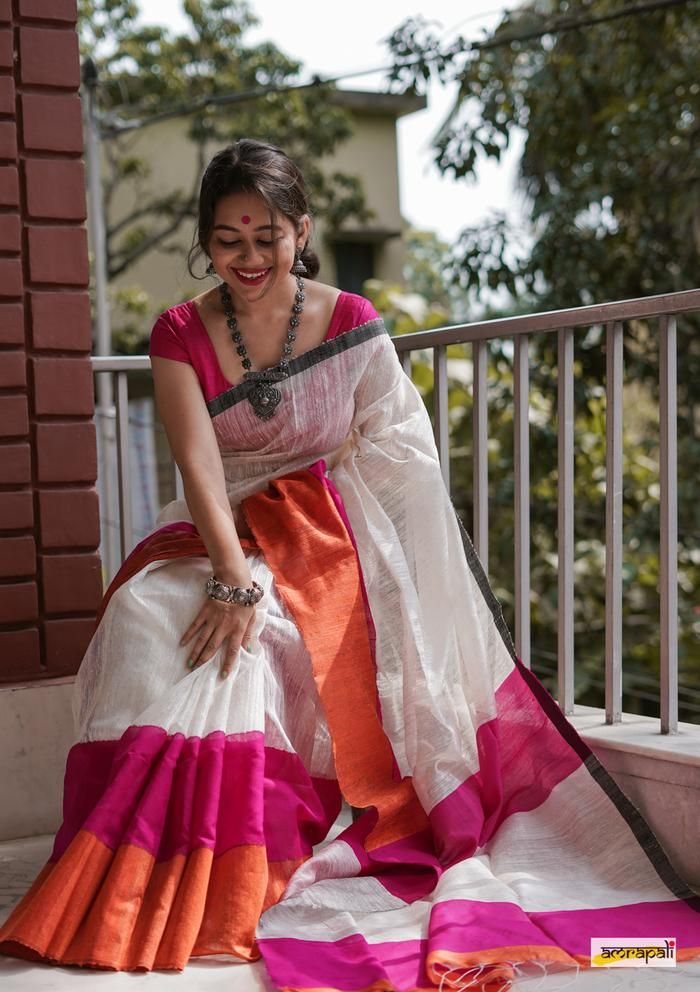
(250, 166)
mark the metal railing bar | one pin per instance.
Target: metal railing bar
(480, 452)
(521, 490)
(668, 512)
(552, 320)
(565, 519)
(405, 357)
(440, 408)
(613, 522)
(120, 363)
(123, 466)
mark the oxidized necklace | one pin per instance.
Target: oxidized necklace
(264, 397)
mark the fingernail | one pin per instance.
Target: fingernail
(190, 663)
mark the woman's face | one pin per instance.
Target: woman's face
(246, 239)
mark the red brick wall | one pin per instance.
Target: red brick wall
(50, 574)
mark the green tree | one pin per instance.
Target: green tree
(610, 159)
(609, 169)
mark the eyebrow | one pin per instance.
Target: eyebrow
(263, 227)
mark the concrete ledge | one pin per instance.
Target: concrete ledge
(36, 733)
(640, 735)
(659, 773)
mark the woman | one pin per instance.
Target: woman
(310, 624)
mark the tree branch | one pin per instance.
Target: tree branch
(117, 264)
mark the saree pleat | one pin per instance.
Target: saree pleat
(380, 672)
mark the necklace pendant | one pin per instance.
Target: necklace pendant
(262, 395)
(264, 399)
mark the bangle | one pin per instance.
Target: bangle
(233, 594)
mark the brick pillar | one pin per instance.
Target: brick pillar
(50, 573)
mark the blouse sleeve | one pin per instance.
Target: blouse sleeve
(368, 310)
(166, 342)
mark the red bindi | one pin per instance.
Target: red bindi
(246, 219)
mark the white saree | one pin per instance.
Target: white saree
(491, 841)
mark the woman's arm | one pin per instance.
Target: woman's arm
(193, 443)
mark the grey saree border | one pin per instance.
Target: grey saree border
(327, 349)
(647, 839)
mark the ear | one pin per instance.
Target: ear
(305, 227)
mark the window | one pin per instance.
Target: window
(354, 262)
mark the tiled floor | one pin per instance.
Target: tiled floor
(21, 860)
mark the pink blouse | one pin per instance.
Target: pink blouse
(179, 333)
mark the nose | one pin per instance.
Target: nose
(249, 255)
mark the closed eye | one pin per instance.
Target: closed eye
(228, 244)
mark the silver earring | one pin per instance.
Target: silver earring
(298, 269)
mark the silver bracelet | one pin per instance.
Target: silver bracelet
(233, 594)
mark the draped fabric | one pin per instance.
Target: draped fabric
(380, 671)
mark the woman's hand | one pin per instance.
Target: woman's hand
(215, 623)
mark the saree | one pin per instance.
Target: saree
(380, 671)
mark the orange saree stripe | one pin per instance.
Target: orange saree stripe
(306, 544)
(278, 875)
(123, 910)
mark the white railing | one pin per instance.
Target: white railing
(563, 323)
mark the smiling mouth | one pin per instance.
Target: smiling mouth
(253, 277)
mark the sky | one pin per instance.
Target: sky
(310, 33)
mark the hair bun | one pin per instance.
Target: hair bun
(311, 261)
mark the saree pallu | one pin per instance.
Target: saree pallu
(380, 670)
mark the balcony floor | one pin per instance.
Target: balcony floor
(20, 861)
